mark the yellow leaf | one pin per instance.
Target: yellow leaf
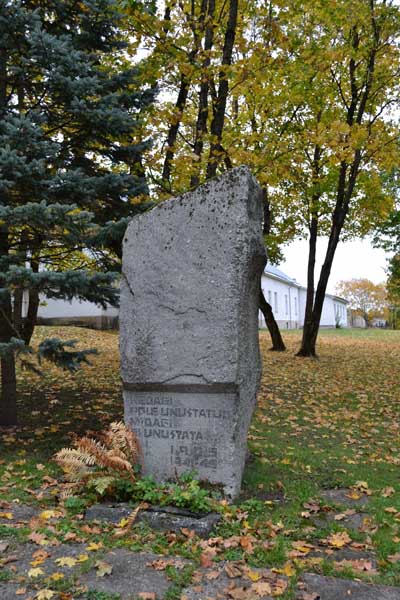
(37, 562)
(253, 575)
(66, 561)
(6, 515)
(45, 594)
(82, 557)
(35, 572)
(94, 546)
(338, 540)
(56, 576)
(50, 514)
(123, 522)
(287, 569)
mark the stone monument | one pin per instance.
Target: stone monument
(189, 329)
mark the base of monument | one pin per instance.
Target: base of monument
(163, 518)
(185, 428)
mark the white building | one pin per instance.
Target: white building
(288, 300)
(286, 296)
(77, 312)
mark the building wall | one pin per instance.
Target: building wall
(288, 301)
(75, 312)
(284, 299)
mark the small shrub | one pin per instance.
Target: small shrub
(101, 465)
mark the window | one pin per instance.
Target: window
(276, 301)
(286, 305)
(269, 297)
(295, 306)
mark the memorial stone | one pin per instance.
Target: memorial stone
(189, 329)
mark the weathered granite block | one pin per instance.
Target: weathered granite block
(189, 329)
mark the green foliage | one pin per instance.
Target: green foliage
(56, 351)
(186, 493)
(71, 146)
(74, 504)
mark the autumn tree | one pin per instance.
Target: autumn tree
(344, 135)
(307, 94)
(367, 299)
(69, 167)
(387, 237)
(196, 55)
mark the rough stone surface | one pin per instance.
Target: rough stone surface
(365, 558)
(165, 518)
(131, 574)
(226, 581)
(8, 590)
(19, 512)
(355, 522)
(341, 497)
(332, 588)
(190, 359)
(111, 513)
(169, 519)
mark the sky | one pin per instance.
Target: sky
(353, 260)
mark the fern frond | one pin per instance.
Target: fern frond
(101, 484)
(99, 464)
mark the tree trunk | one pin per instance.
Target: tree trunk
(311, 327)
(202, 115)
(174, 128)
(8, 395)
(307, 344)
(182, 96)
(8, 399)
(266, 309)
(29, 322)
(217, 123)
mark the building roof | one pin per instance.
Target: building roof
(275, 273)
(278, 274)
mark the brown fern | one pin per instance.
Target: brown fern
(101, 463)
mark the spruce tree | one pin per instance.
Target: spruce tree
(70, 166)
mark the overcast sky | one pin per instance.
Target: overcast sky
(358, 259)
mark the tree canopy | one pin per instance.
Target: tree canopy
(70, 165)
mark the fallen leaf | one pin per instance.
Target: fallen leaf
(287, 569)
(56, 576)
(338, 540)
(6, 515)
(93, 546)
(206, 560)
(50, 514)
(253, 575)
(38, 538)
(261, 588)
(45, 595)
(66, 561)
(211, 575)
(234, 569)
(103, 568)
(394, 558)
(387, 491)
(33, 573)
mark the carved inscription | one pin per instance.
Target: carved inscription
(186, 429)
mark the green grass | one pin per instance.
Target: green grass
(319, 424)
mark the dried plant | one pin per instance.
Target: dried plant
(100, 464)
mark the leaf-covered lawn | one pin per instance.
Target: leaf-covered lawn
(320, 425)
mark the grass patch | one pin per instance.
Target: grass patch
(319, 424)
